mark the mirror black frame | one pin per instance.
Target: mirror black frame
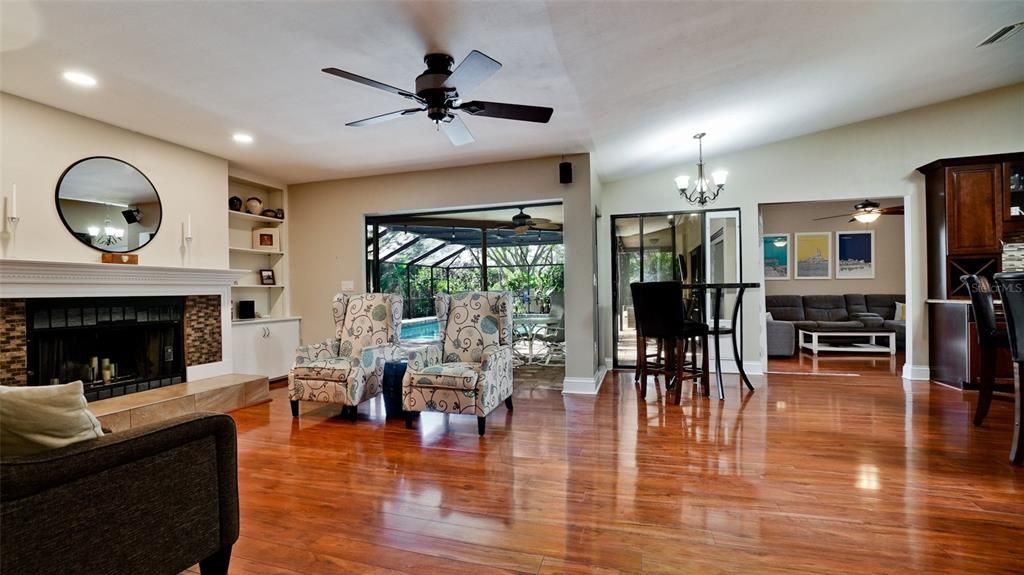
(67, 226)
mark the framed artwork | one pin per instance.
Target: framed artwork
(775, 249)
(266, 239)
(267, 278)
(813, 255)
(856, 255)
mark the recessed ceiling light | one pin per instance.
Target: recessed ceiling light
(80, 78)
(242, 138)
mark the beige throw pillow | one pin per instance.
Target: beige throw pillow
(901, 311)
(34, 419)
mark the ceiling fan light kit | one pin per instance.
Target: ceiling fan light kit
(439, 91)
(703, 191)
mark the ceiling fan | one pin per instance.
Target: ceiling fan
(439, 91)
(522, 223)
(867, 212)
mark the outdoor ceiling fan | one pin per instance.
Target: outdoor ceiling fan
(439, 91)
(867, 212)
(522, 223)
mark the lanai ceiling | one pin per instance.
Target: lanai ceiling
(629, 81)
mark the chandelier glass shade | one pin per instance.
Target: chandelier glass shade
(703, 190)
(110, 235)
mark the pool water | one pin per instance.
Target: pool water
(420, 329)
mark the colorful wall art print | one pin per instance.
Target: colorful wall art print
(813, 256)
(856, 255)
(775, 249)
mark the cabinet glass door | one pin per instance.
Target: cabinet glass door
(1013, 180)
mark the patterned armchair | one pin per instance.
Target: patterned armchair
(348, 369)
(471, 370)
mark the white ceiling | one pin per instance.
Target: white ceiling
(629, 81)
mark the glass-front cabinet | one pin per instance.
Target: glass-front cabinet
(1013, 196)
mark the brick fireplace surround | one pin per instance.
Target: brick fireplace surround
(207, 315)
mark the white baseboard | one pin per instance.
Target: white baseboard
(916, 372)
(584, 385)
(196, 372)
(729, 366)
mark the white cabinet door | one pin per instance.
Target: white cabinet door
(265, 348)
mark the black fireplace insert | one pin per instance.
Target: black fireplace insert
(115, 345)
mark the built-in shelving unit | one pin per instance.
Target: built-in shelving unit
(271, 301)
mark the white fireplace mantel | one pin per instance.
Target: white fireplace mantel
(35, 279)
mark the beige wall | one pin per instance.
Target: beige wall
(39, 142)
(799, 217)
(872, 158)
(328, 246)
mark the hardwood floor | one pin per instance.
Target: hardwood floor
(810, 474)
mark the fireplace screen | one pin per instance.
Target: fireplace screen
(116, 346)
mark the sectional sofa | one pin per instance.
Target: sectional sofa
(850, 312)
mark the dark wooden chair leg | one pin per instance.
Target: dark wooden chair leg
(641, 365)
(508, 403)
(987, 380)
(295, 407)
(216, 564)
(1017, 448)
(481, 425)
(705, 367)
(408, 419)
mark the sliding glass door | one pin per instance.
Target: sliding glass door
(668, 246)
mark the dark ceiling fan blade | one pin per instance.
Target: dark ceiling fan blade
(507, 111)
(457, 132)
(384, 117)
(372, 83)
(471, 72)
(548, 226)
(540, 220)
(892, 211)
(833, 217)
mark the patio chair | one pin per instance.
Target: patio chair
(554, 333)
(470, 372)
(349, 369)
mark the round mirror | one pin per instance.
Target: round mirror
(108, 204)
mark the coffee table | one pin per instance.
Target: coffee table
(815, 344)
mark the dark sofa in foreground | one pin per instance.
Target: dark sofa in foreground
(850, 312)
(155, 499)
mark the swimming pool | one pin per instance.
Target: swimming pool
(420, 329)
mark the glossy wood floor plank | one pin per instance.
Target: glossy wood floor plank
(816, 473)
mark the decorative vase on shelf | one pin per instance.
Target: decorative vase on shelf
(254, 205)
(235, 204)
(268, 213)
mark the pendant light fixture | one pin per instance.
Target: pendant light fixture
(703, 191)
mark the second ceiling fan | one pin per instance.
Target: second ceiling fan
(867, 212)
(439, 91)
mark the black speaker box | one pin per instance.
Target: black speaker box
(565, 173)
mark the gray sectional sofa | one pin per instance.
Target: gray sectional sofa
(850, 312)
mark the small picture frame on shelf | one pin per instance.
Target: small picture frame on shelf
(266, 239)
(267, 278)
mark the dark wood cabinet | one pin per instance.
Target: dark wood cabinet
(972, 203)
(973, 209)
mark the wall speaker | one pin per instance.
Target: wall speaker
(247, 309)
(565, 172)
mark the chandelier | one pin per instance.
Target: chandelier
(703, 191)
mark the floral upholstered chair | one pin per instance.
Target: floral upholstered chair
(348, 369)
(470, 371)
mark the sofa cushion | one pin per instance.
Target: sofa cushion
(785, 307)
(34, 419)
(855, 303)
(851, 325)
(825, 308)
(805, 324)
(458, 375)
(883, 304)
(330, 369)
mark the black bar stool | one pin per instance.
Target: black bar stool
(661, 315)
(990, 339)
(1011, 289)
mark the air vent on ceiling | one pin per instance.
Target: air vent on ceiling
(1002, 34)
